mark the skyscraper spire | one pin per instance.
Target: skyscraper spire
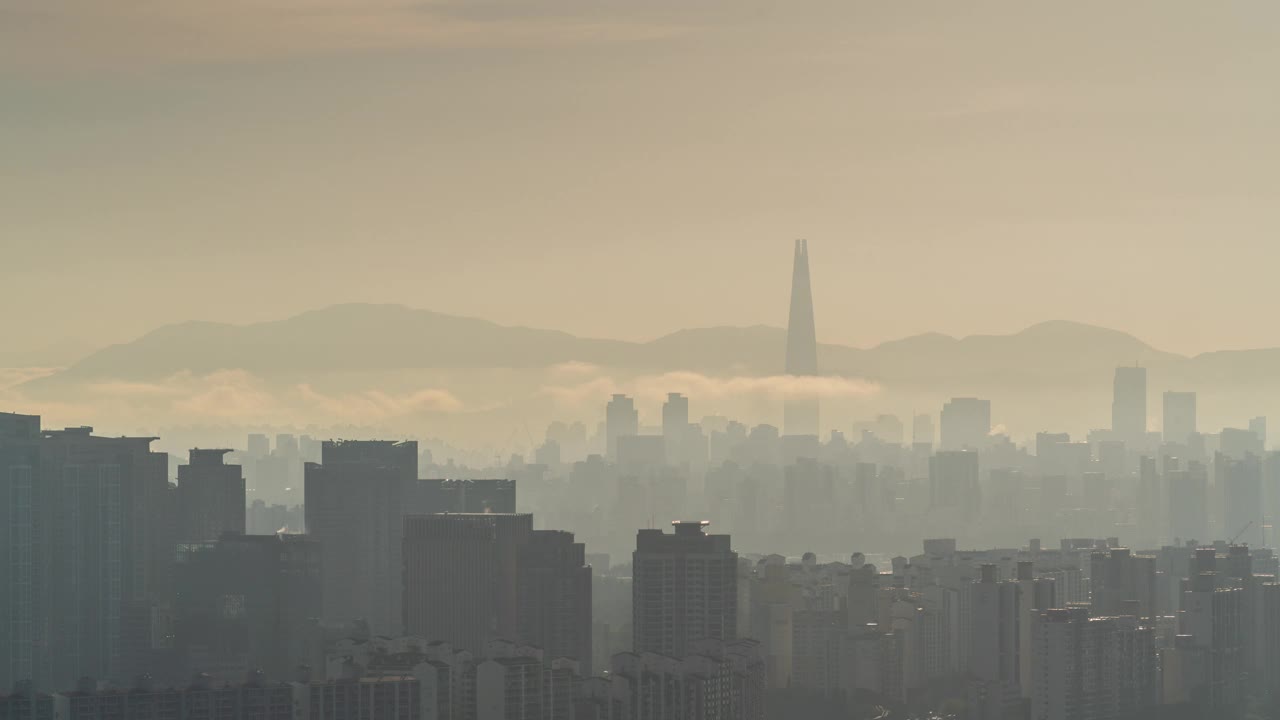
(800, 413)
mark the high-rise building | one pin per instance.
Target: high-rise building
(356, 501)
(953, 481)
(1189, 503)
(1215, 626)
(1123, 584)
(1034, 596)
(23, 548)
(800, 413)
(1129, 406)
(683, 442)
(553, 588)
(620, 418)
(107, 507)
(461, 576)
(966, 423)
(1179, 416)
(1258, 426)
(1242, 503)
(684, 589)
(211, 497)
(1090, 668)
(246, 602)
(993, 660)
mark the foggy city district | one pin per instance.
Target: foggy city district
(649, 360)
(926, 568)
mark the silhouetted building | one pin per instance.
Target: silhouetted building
(620, 419)
(953, 481)
(24, 549)
(1179, 416)
(554, 595)
(461, 576)
(800, 413)
(1189, 503)
(356, 501)
(1240, 481)
(247, 602)
(211, 497)
(684, 589)
(109, 550)
(1091, 668)
(966, 423)
(1129, 406)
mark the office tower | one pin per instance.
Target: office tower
(553, 588)
(1179, 416)
(1129, 406)
(808, 500)
(922, 430)
(109, 549)
(953, 481)
(1258, 426)
(287, 446)
(684, 589)
(888, 428)
(461, 573)
(1123, 584)
(258, 445)
(800, 413)
(1189, 503)
(356, 501)
(247, 602)
(210, 497)
(1242, 504)
(1237, 443)
(1035, 595)
(1084, 668)
(620, 419)
(23, 548)
(641, 450)
(966, 423)
(1051, 456)
(675, 418)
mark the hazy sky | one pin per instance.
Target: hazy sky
(624, 168)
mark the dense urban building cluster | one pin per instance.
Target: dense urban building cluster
(687, 571)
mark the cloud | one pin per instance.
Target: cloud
(231, 396)
(709, 388)
(377, 405)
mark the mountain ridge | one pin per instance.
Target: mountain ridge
(373, 337)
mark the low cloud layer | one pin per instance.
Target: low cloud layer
(592, 385)
(227, 397)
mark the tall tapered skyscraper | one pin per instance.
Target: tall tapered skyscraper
(800, 412)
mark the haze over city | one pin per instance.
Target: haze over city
(592, 360)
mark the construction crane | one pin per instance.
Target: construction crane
(1237, 537)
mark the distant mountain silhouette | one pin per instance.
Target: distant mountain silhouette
(371, 338)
